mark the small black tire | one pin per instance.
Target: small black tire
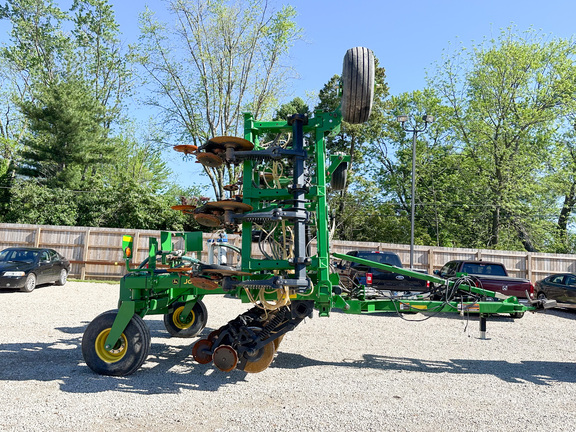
(30, 283)
(62, 278)
(339, 176)
(130, 353)
(357, 85)
(192, 326)
(517, 315)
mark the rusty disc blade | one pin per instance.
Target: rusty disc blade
(209, 159)
(178, 269)
(233, 205)
(266, 177)
(208, 220)
(186, 148)
(277, 342)
(182, 207)
(202, 351)
(236, 143)
(213, 335)
(226, 272)
(266, 356)
(225, 358)
(231, 187)
(203, 283)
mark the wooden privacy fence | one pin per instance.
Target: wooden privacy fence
(96, 253)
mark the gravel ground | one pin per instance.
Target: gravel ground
(347, 372)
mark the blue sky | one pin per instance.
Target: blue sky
(407, 37)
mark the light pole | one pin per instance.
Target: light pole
(402, 119)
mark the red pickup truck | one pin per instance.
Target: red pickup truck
(492, 276)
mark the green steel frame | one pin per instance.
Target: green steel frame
(145, 291)
(171, 289)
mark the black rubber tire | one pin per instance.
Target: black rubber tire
(62, 278)
(136, 338)
(339, 176)
(30, 283)
(542, 296)
(357, 85)
(517, 315)
(198, 319)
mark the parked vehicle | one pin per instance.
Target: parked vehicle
(25, 267)
(354, 274)
(560, 287)
(490, 275)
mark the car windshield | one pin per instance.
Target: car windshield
(18, 255)
(483, 269)
(381, 258)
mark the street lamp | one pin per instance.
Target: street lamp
(402, 119)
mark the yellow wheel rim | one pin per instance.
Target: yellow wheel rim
(115, 354)
(183, 325)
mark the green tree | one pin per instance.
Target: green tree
(99, 57)
(505, 105)
(215, 61)
(66, 139)
(437, 167)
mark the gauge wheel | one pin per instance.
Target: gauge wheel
(30, 283)
(517, 315)
(189, 327)
(357, 85)
(62, 278)
(127, 355)
(339, 176)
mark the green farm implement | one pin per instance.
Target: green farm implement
(280, 208)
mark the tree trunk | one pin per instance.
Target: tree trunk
(493, 241)
(567, 208)
(524, 236)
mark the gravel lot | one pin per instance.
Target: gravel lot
(346, 372)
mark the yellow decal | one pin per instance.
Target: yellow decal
(407, 306)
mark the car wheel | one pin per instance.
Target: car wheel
(357, 85)
(127, 355)
(30, 283)
(542, 296)
(62, 278)
(191, 326)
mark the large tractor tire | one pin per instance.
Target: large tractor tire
(130, 351)
(357, 85)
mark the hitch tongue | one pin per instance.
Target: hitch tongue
(542, 303)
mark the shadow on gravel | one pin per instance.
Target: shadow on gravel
(536, 372)
(171, 369)
(168, 369)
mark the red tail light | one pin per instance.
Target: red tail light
(531, 291)
(368, 278)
